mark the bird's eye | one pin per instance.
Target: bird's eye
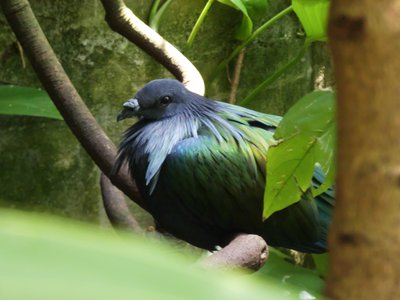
(165, 100)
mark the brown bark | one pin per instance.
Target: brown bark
(365, 236)
(116, 208)
(236, 76)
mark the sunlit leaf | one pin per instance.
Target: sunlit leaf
(306, 139)
(46, 258)
(17, 100)
(313, 15)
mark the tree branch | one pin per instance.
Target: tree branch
(122, 20)
(115, 206)
(64, 95)
(245, 251)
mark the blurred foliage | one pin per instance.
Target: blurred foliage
(48, 258)
(280, 269)
(18, 100)
(321, 262)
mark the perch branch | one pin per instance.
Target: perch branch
(64, 95)
(122, 20)
(245, 251)
(115, 206)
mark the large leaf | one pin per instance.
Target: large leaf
(45, 258)
(313, 15)
(17, 100)
(246, 27)
(306, 139)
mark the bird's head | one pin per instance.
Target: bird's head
(159, 99)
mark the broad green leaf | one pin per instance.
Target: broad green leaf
(306, 139)
(17, 100)
(279, 268)
(47, 258)
(313, 15)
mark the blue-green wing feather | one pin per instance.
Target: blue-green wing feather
(219, 182)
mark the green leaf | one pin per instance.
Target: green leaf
(17, 100)
(156, 14)
(246, 27)
(279, 269)
(306, 139)
(154, 8)
(313, 15)
(256, 8)
(48, 258)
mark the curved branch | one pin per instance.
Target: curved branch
(245, 251)
(122, 20)
(115, 206)
(64, 95)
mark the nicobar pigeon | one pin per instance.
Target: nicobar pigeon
(200, 165)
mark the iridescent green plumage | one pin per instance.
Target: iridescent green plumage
(200, 165)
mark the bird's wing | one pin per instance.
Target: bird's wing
(222, 183)
(219, 182)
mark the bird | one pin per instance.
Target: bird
(200, 166)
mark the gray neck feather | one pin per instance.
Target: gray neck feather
(156, 139)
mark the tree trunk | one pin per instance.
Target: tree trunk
(365, 236)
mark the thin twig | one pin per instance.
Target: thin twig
(236, 76)
(21, 55)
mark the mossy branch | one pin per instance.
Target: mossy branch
(122, 20)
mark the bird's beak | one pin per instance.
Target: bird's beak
(131, 109)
